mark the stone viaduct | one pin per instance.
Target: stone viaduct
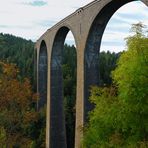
(87, 25)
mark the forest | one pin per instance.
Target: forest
(119, 118)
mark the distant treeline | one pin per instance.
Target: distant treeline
(19, 51)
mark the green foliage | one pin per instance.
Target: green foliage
(2, 137)
(19, 51)
(131, 76)
(103, 119)
(107, 63)
(120, 117)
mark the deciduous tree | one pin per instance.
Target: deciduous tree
(120, 116)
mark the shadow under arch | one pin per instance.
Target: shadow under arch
(57, 116)
(35, 71)
(92, 49)
(42, 75)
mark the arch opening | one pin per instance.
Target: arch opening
(92, 49)
(42, 76)
(63, 92)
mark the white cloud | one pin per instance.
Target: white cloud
(15, 15)
(134, 7)
(20, 18)
(119, 26)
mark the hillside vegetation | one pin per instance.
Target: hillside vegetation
(19, 51)
(20, 124)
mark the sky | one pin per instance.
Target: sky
(31, 18)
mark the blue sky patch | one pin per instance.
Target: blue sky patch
(46, 23)
(4, 26)
(37, 3)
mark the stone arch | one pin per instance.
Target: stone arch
(42, 75)
(57, 117)
(92, 48)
